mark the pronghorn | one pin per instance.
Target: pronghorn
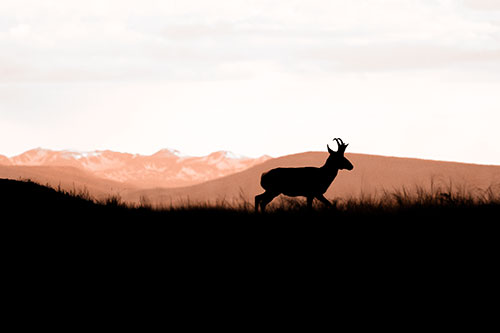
(309, 182)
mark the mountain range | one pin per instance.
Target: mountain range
(165, 168)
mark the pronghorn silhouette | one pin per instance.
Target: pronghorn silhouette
(309, 182)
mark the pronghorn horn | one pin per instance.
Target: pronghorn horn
(341, 144)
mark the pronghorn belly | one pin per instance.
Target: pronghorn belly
(300, 194)
(294, 182)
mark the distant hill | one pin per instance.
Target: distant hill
(371, 175)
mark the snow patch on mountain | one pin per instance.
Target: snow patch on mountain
(188, 173)
(154, 167)
(83, 154)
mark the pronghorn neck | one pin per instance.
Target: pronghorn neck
(330, 171)
(330, 167)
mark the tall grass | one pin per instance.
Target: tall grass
(385, 201)
(421, 198)
(443, 200)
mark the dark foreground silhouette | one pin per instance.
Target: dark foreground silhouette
(59, 243)
(46, 217)
(309, 182)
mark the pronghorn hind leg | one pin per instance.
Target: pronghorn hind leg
(258, 199)
(263, 199)
(309, 202)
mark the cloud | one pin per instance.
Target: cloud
(150, 40)
(485, 5)
(397, 56)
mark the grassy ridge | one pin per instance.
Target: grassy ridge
(26, 199)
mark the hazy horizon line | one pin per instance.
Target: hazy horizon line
(181, 154)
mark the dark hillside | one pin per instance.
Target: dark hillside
(25, 200)
(402, 231)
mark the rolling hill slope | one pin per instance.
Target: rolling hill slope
(371, 175)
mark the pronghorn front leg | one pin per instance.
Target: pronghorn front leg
(324, 200)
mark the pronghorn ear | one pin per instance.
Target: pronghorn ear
(329, 150)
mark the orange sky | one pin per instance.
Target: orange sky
(400, 77)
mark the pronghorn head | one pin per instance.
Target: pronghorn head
(336, 159)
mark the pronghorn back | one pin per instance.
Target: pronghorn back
(296, 181)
